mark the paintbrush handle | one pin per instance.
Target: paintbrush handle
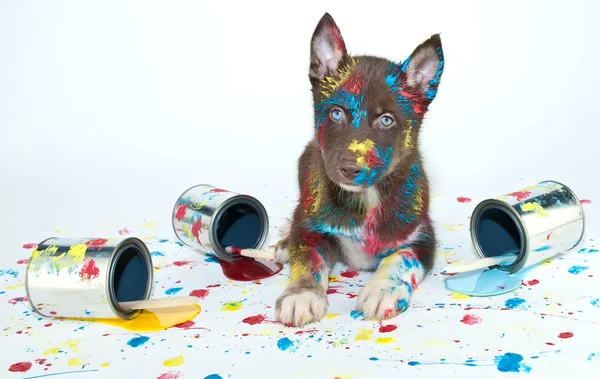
(167, 302)
(251, 253)
(476, 264)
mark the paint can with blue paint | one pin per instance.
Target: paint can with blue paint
(524, 229)
(88, 277)
(209, 219)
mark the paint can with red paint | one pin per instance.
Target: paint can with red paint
(535, 223)
(209, 219)
(88, 277)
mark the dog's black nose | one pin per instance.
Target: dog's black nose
(349, 169)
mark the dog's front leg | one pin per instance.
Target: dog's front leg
(389, 292)
(305, 298)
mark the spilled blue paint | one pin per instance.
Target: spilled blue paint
(576, 270)
(138, 341)
(173, 291)
(9, 272)
(511, 362)
(211, 258)
(285, 344)
(514, 303)
(213, 376)
(356, 314)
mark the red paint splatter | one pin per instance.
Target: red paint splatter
(307, 331)
(169, 375)
(181, 263)
(372, 160)
(470, 320)
(40, 361)
(389, 313)
(197, 228)
(565, 335)
(332, 290)
(20, 367)
(585, 201)
(463, 199)
(200, 293)
(89, 270)
(351, 295)
(185, 325)
(29, 245)
(48, 325)
(349, 274)
(17, 300)
(253, 320)
(387, 328)
(181, 209)
(217, 190)
(99, 243)
(520, 195)
(53, 313)
(22, 261)
(533, 282)
(548, 236)
(213, 285)
(124, 231)
(550, 343)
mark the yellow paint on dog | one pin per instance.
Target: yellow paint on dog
(361, 147)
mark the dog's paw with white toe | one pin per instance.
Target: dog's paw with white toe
(282, 254)
(382, 299)
(300, 306)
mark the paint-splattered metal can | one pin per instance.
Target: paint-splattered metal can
(536, 223)
(210, 219)
(88, 277)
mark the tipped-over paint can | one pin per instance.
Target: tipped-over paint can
(535, 223)
(88, 277)
(210, 219)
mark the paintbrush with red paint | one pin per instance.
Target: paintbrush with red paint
(251, 253)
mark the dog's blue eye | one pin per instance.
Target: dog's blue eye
(337, 114)
(386, 121)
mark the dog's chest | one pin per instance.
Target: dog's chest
(354, 254)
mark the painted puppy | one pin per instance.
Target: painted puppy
(364, 193)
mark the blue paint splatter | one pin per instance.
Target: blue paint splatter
(414, 363)
(587, 251)
(285, 344)
(356, 314)
(138, 341)
(514, 303)
(543, 248)
(179, 243)
(213, 376)
(373, 359)
(163, 240)
(595, 302)
(157, 254)
(511, 362)
(211, 258)
(173, 291)
(576, 270)
(9, 272)
(593, 357)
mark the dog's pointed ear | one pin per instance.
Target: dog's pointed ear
(424, 68)
(327, 49)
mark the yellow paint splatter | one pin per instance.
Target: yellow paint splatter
(76, 362)
(333, 279)
(149, 225)
(547, 262)
(361, 147)
(78, 252)
(460, 296)
(398, 348)
(532, 206)
(363, 335)
(72, 344)
(232, 307)
(15, 287)
(147, 239)
(104, 365)
(452, 227)
(196, 206)
(187, 231)
(330, 84)
(174, 362)
(341, 342)
(329, 316)
(47, 252)
(436, 195)
(157, 320)
(384, 340)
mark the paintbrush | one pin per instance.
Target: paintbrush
(167, 302)
(477, 264)
(251, 253)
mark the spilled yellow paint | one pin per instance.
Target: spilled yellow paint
(104, 365)
(329, 316)
(76, 362)
(174, 362)
(384, 340)
(157, 320)
(436, 195)
(232, 307)
(398, 348)
(532, 206)
(460, 296)
(72, 344)
(363, 335)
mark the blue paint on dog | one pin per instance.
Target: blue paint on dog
(138, 341)
(576, 270)
(173, 291)
(514, 303)
(402, 305)
(511, 362)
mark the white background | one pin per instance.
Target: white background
(110, 110)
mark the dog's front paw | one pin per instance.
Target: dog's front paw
(300, 306)
(282, 253)
(383, 298)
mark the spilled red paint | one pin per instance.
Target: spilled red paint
(463, 199)
(99, 243)
(550, 344)
(470, 320)
(180, 214)
(307, 331)
(253, 320)
(22, 261)
(585, 201)
(387, 328)
(17, 300)
(169, 375)
(200, 293)
(565, 335)
(349, 274)
(29, 245)
(249, 270)
(185, 325)
(181, 263)
(89, 270)
(520, 195)
(533, 282)
(213, 285)
(20, 367)
(124, 231)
